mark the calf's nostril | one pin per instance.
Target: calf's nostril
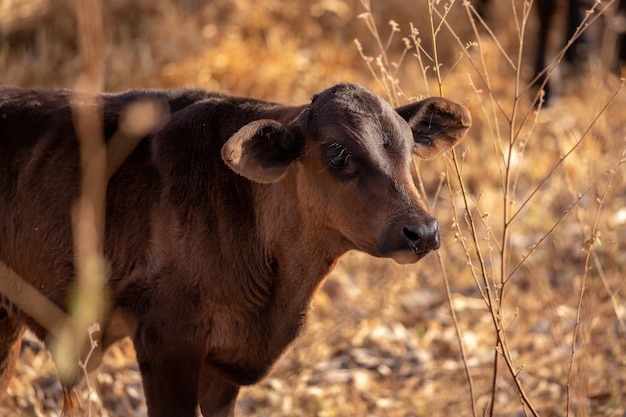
(411, 233)
(422, 237)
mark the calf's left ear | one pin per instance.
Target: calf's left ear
(261, 150)
(437, 124)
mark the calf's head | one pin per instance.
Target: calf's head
(351, 153)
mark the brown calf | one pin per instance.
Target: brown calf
(220, 225)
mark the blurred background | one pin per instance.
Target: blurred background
(532, 204)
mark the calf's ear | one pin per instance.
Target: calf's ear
(437, 125)
(261, 150)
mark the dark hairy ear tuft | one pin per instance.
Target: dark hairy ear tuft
(437, 124)
(262, 150)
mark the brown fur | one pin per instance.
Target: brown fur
(220, 225)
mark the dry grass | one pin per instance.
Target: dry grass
(536, 280)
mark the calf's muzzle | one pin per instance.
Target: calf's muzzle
(410, 239)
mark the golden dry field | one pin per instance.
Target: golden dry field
(523, 309)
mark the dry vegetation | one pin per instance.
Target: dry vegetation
(523, 309)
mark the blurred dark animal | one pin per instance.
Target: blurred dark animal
(220, 225)
(578, 54)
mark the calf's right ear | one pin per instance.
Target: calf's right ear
(437, 125)
(261, 150)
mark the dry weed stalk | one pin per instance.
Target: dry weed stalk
(483, 253)
(510, 214)
(386, 71)
(75, 336)
(99, 162)
(496, 289)
(88, 308)
(388, 79)
(68, 331)
(589, 243)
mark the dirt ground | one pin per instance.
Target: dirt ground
(530, 279)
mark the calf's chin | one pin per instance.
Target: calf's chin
(404, 257)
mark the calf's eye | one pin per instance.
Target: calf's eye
(337, 155)
(422, 140)
(340, 160)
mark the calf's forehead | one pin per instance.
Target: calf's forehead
(352, 112)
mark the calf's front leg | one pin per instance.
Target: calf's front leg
(170, 379)
(217, 395)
